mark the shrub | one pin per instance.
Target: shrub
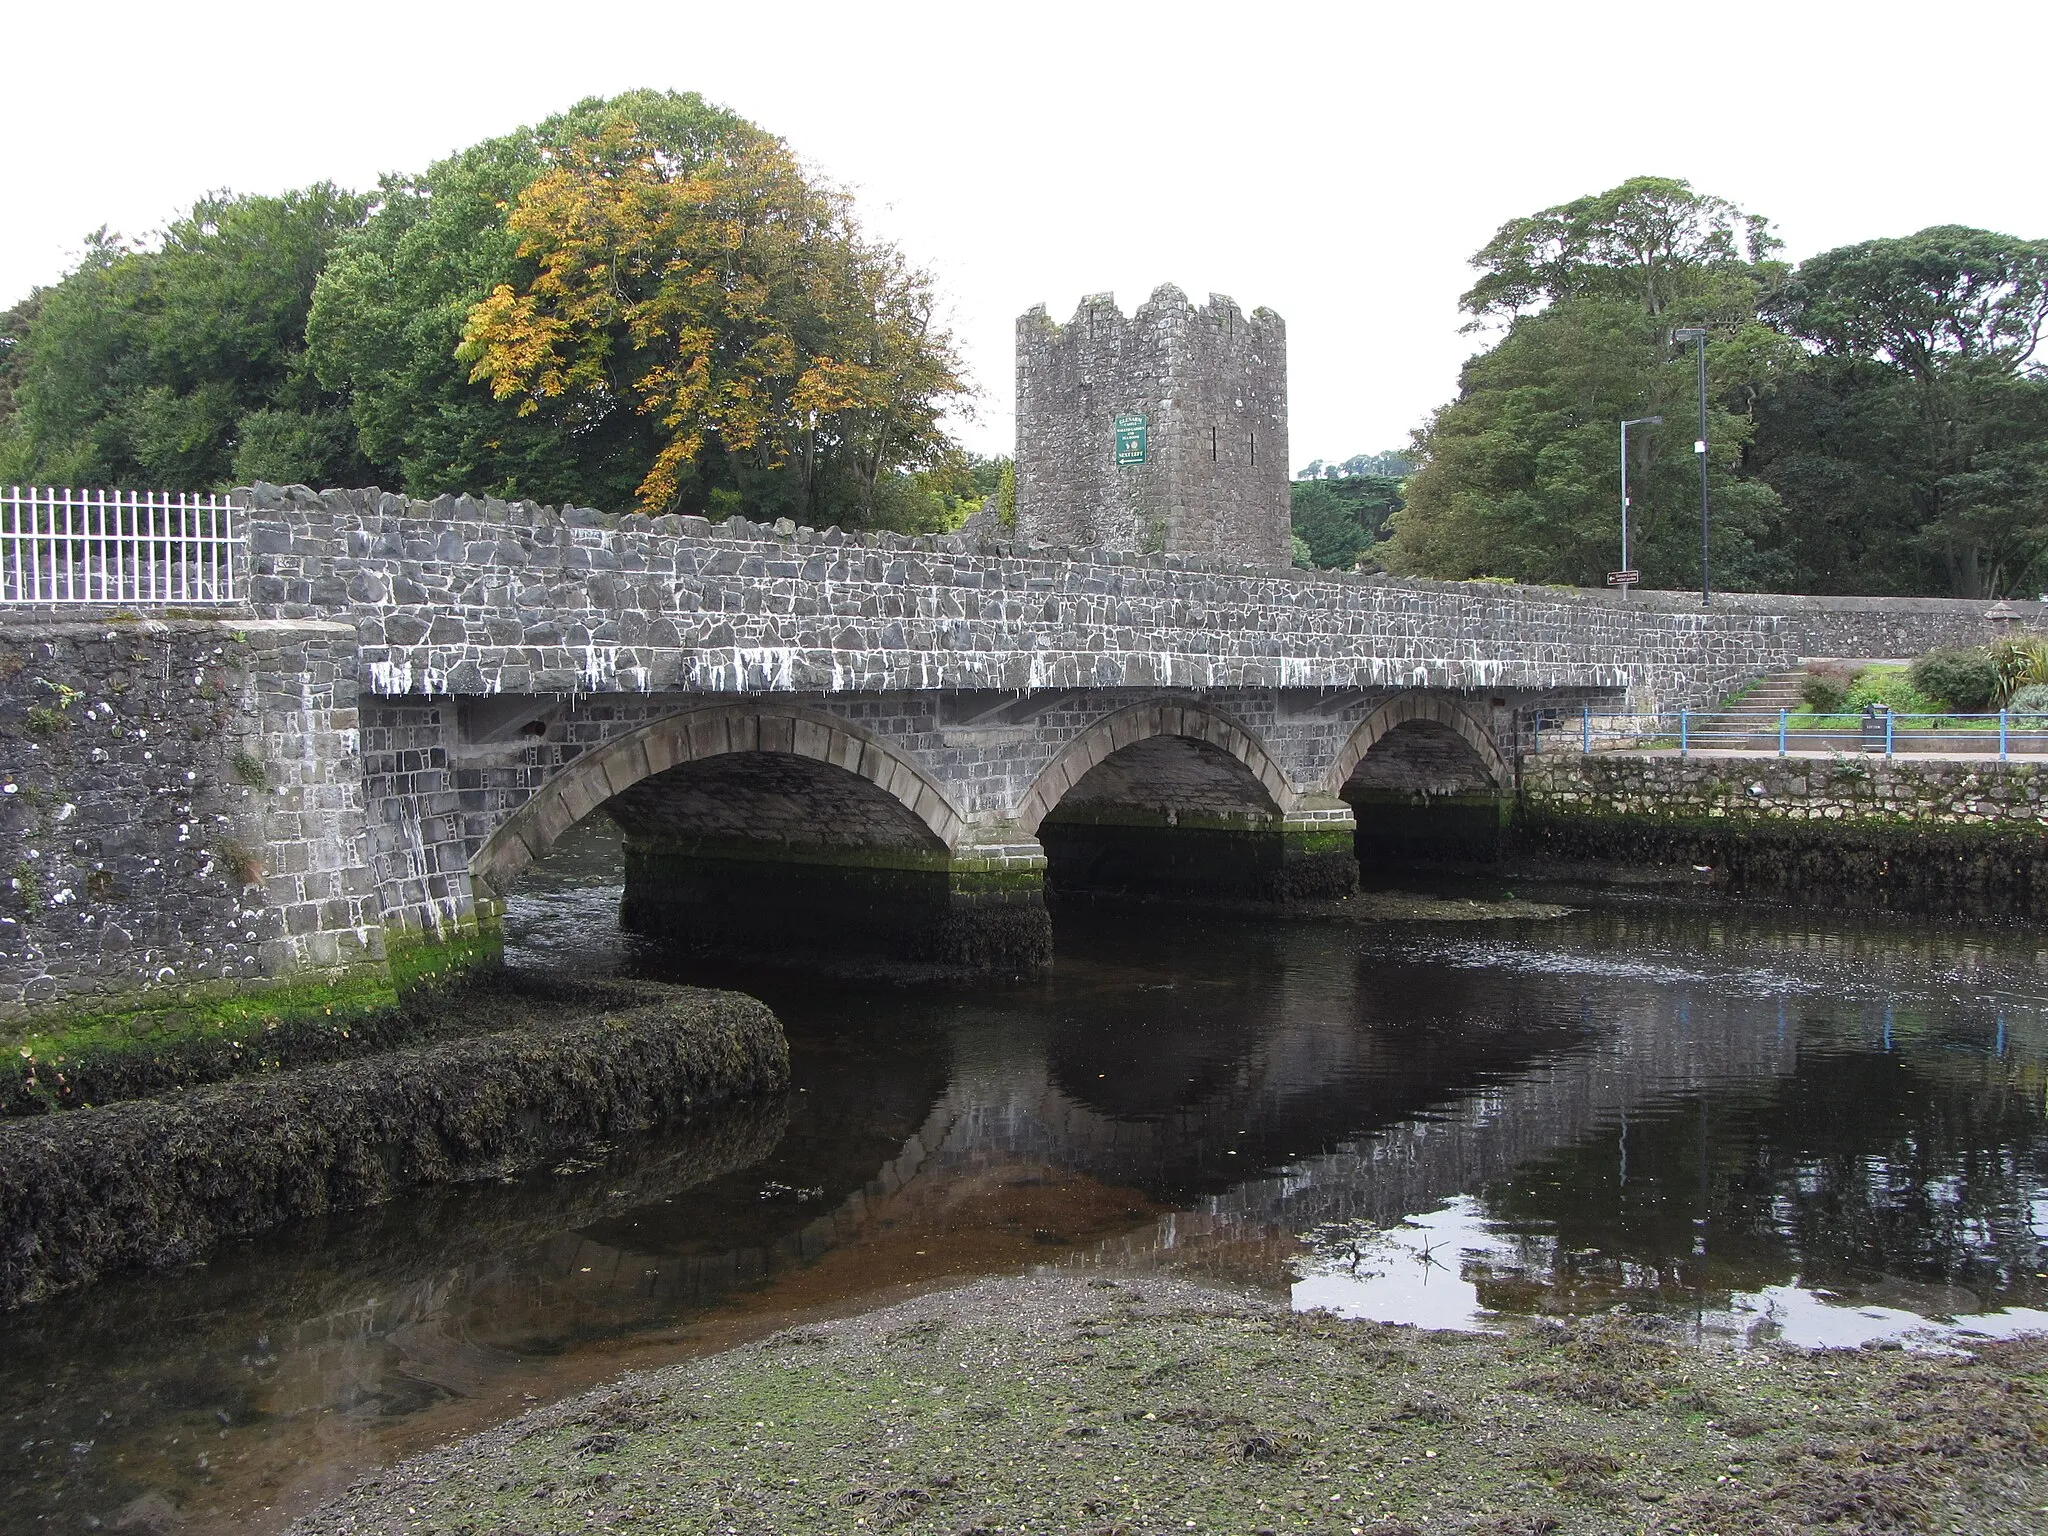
(2031, 702)
(1822, 694)
(1827, 685)
(1965, 680)
(2020, 662)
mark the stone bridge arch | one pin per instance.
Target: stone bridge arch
(1140, 722)
(699, 735)
(1424, 779)
(1172, 797)
(1428, 709)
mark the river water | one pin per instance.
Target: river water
(1763, 1123)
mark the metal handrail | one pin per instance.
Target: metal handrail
(63, 547)
(1783, 732)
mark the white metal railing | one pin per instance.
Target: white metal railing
(60, 546)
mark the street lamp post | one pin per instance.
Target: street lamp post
(1697, 335)
(1636, 421)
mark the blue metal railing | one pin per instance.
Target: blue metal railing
(1781, 732)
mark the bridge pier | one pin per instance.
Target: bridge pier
(980, 910)
(1304, 856)
(1405, 827)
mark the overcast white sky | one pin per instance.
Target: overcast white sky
(1337, 163)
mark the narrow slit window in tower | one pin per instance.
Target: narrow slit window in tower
(1212, 444)
(1255, 450)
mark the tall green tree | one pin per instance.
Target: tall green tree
(182, 366)
(644, 300)
(1915, 443)
(1519, 476)
(1342, 517)
(389, 311)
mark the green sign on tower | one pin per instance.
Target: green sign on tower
(1130, 440)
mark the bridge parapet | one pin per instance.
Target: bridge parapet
(461, 596)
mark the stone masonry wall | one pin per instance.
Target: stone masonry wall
(1212, 387)
(1908, 792)
(179, 809)
(1866, 628)
(1946, 838)
(465, 597)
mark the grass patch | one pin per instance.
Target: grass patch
(70, 1058)
(428, 961)
(203, 1036)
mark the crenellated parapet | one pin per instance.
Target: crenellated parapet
(1161, 431)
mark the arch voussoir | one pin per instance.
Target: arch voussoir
(664, 749)
(1404, 709)
(534, 829)
(1139, 722)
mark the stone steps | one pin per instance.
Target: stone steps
(1778, 691)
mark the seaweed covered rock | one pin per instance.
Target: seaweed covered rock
(152, 1058)
(139, 1055)
(156, 1182)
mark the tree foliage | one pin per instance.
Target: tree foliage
(1341, 518)
(640, 300)
(1652, 243)
(390, 311)
(645, 299)
(182, 366)
(1876, 418)
(1393, 463)
(729, 301)
(1915, 442)
(1948, 298)
(1520, 475)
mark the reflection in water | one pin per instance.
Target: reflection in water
(1827, 1130)
(1456, 1267)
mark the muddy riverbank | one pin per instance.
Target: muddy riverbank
(1758, 1124)
(1141, 1403)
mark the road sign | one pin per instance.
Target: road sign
(1130, 440)
(1623, 578)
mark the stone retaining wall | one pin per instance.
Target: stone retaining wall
(155, 1183)
(1947, 838)
(1844, 787)
(180, 807)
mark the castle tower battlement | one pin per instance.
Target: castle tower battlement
(1162, 431)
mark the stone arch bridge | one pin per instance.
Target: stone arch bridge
(899, 742)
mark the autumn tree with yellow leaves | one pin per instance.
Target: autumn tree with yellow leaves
(784, 361)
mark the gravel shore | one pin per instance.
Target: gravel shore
(1116, 1406)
